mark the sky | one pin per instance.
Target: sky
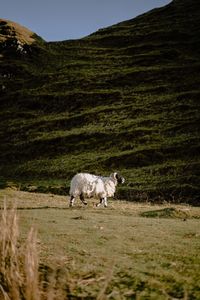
(57, 20)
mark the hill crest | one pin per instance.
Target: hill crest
(14, 36)
(10, 29)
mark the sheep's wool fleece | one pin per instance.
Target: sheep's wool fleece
(91, 185)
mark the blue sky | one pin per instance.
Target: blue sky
(56, 20)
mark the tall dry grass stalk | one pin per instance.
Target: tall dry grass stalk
(31, 266)
(18, 263)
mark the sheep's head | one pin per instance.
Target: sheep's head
(118, 177)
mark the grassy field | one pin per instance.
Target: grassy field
(127, 251)
(125, 98)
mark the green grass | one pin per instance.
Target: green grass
(129, 251)
(125, 98)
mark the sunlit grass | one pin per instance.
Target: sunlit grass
(125, 251)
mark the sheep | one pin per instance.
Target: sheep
(89, 185)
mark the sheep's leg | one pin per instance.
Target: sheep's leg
(102, 201)
(71, 201)
(82, 199)
(105, 202)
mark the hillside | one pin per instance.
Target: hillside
(124, 98)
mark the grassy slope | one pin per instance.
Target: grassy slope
(125, 98)
(129, 251)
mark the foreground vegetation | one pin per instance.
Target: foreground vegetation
(125, 98)
(127, 251)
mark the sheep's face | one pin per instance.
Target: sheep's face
(119, 178)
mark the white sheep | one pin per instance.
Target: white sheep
(89, 185)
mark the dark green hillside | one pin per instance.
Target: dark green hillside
(124, 98)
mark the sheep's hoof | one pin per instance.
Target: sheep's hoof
(85, 203)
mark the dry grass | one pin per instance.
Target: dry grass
(24, 35)
(18, 263)
(127, 251)
(22, 276)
